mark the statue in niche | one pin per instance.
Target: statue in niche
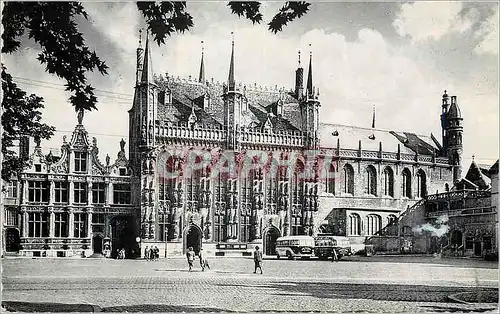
(64, 138)
(122, 145)
(151, 132)
(143, 132)
(151, 167)
(80, 116)
(107, 160)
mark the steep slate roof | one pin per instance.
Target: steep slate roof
(494, 168)
(476, 176)
(185, 95)
(349, 137)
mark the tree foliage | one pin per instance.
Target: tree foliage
(21, 116)
(63, 50)
(53, 26)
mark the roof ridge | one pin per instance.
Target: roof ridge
(376, 129)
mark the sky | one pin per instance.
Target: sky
(398, 57)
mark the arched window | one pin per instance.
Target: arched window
(330, 180)
(406, 183)
(421, 184)
(354, 224)
(373, 224)
(388, 182)
(392, 225)
(348, 179)
(371, 180)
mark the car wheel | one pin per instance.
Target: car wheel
(289, 255)
(278, 256)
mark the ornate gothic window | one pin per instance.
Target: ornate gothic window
(354, 224)
(220, 199)
(298, 199)
(330, 180)
(61, 192)
(388, 182)
(373, 224)
(37, 225)
(98, 193)
(371, 180)
(421, 184)
(60, 225)
(38, 191)
(406, 176)
(80, 192)
(348, 179)
(163, 226)
(80, 225)
(80, 162)
(121, 193)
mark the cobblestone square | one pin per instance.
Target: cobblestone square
(377, 284)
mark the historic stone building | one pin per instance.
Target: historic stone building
(226, 167)
(70, 205)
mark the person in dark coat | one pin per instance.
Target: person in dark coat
(257, 258)
(190, 257)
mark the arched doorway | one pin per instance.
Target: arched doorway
(456, 239)
(97, 244)
(192, 238)
(12, 240)
(271, 235)
(123, 236)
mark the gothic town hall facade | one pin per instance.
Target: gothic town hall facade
(226, 167)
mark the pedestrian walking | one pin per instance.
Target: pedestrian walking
(203, 260)
(146, 253)
(257, 258)
(157, 253)
(335, 257)
(190, 257)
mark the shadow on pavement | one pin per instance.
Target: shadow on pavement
(446, 309)
(14, 306)
(379, 292)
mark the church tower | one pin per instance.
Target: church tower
(143, 115)
(454, 132)
(309, 108)
(142, 123)
(444, 109)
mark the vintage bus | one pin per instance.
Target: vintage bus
(295, 246)
(325, 243)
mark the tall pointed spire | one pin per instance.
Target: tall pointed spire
(373, 118)
(147, 68)
(201, 78)
(231, 82)
(140, 56)
(309, 75)
(299, 80)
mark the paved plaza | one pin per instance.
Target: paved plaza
(357, 284)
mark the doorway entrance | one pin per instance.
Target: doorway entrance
(477, 248)
(192, 238)
(12, 240)
(97, 244)
(123, 236)
(272, 234)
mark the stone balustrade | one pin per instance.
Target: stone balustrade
(186, 133)
(275, 139)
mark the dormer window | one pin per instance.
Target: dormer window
(80, 162)
(38, 168)
(123, 171)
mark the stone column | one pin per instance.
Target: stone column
(71, 165)
(89, 222)
(52, 224)
(107, 192)
(89, 193)
(71, 194)
(24, 214)
(52, 192)
(71, 223)
(25, 192)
